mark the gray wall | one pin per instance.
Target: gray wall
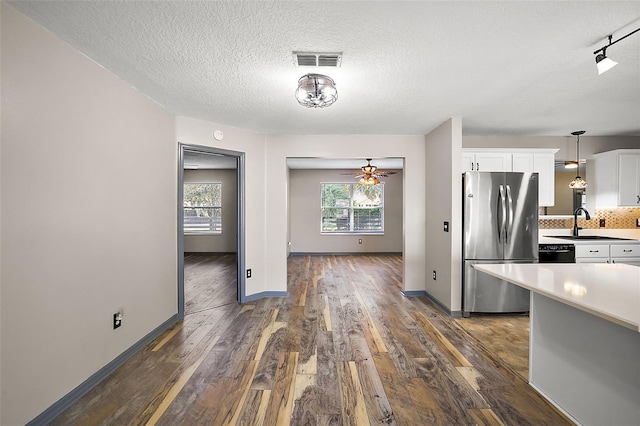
(443, 186)
(87, 227)
(227, 241)
(304, 187)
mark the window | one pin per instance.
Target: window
(352, 208)
(202, 208)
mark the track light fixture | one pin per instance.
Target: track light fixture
(602, 62)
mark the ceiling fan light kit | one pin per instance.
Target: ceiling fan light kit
(603, 63)
(370, 174)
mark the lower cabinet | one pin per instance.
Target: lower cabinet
(597, 253)
(608, 253)
(625, 253)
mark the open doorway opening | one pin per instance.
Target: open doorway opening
(211, 255)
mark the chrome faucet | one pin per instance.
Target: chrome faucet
(575, 219)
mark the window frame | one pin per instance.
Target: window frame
(352, 209)
(186, 231)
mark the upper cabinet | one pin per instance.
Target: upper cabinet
(616, 178)
(541, 161)
(485, 161)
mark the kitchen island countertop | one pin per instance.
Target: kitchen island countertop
(584, 340)
(609, 291)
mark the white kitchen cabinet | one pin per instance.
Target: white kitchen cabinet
(544, 164)
(616, 179)
(625, 253)
(479, 161)
(592, 253)
(628, 253)
(629, 180)
(525, 160)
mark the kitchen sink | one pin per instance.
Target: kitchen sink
(586, 237)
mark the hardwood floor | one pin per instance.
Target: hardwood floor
(209, 281)
(346, 348)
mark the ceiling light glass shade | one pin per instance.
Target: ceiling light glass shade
(570, 165)
(604, 64)
(578, 183)
(369, 180)
(316, 91)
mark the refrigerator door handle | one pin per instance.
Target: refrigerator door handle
(503, 216)
(510, 208)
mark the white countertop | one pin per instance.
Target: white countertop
(609, 291)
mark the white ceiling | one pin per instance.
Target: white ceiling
(506, 68)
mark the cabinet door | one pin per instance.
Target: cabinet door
(628, 180)
(635, 261)
(544, 164)
(493, 162)
(592, 260)
(522, 162)
(468, 162)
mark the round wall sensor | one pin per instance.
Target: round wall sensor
(218, 135)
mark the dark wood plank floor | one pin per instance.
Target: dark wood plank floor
(346, 348)
(209, 281)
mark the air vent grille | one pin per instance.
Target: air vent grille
(314, 59)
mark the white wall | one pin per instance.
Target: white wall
(226, 242)
(305, 215)
(197, 132)
(444, 193)
(87, 226)
(411, 148)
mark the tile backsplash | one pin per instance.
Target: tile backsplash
(615, 218)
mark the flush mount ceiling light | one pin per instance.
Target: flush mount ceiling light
(578, 182)
(316, 91)
(602, 62)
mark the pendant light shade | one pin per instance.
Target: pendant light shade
(316, 91)
(578, 182)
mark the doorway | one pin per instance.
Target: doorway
(193, 157)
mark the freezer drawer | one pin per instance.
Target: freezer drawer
(483, 293)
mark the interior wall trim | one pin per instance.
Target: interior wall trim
(346, 253)
(48, 415)
(422, 293)
(262, 295)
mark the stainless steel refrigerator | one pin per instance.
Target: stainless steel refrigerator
(500, 225)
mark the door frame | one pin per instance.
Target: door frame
(240, 232)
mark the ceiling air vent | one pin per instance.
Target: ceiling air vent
(314, 59)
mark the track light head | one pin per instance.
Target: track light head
(603, 63)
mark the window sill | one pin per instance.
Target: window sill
(202, 233)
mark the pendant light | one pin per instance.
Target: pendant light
(578, 182)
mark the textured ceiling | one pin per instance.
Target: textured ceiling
(506, 68)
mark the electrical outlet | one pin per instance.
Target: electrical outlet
(360, 241)
(602, 223)
(248, 273)
(117, 320)
(434, 275)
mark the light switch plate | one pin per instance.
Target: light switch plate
(446, 227)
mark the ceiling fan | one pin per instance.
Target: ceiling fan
(369, 174)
